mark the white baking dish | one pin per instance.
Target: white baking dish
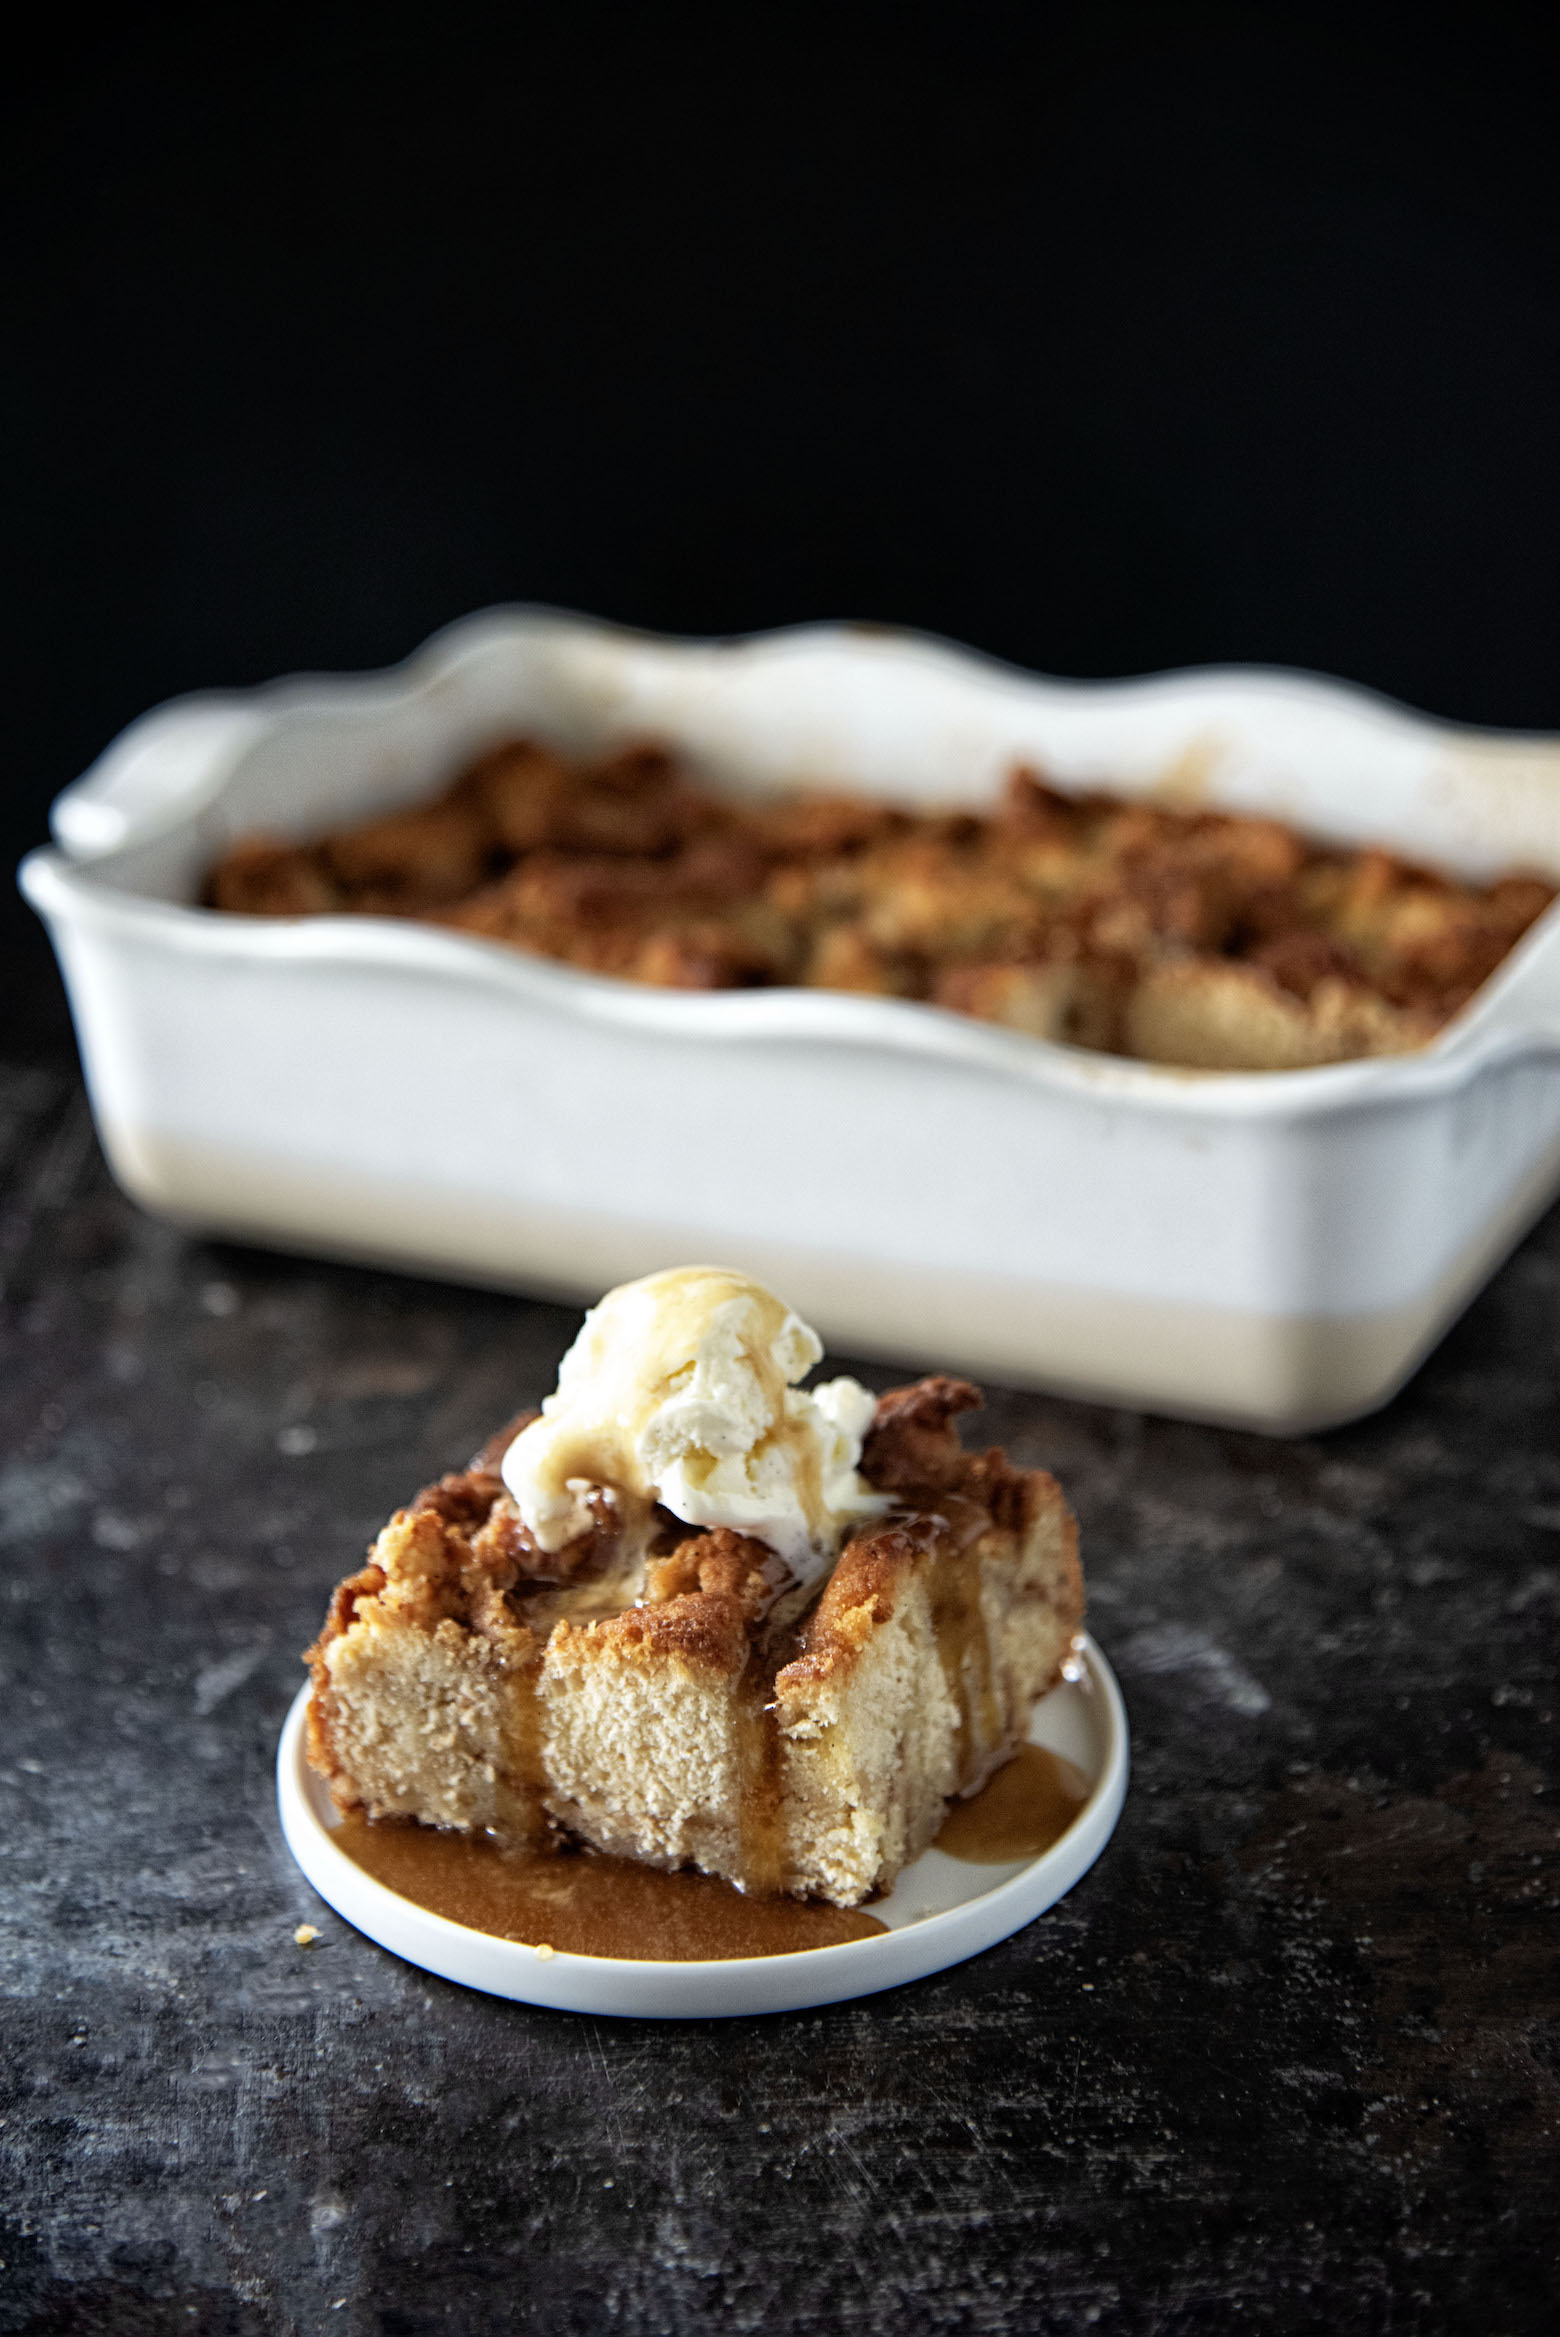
(1276, 1249)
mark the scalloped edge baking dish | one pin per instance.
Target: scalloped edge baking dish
(1272, 1250)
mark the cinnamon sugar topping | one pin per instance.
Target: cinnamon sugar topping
(1197, 937)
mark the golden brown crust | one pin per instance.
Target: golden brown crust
(701, 1600)
(860, 1596)
(912, 1445)
(1189, 936)
(707, 1630)
(466, 1498)
(460, 1552)
(719, 1562)
(913, 1451)
(344, 1602)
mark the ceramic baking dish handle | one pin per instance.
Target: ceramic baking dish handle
(160, 771)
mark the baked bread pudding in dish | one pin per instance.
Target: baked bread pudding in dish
(1193, 937)
(694, 1615)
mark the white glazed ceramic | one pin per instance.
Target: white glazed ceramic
(1274, 1249)
(940, 1911)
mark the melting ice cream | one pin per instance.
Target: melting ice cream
(681, 1388)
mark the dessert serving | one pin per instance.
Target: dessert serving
(1202, 938)
(692, 1615)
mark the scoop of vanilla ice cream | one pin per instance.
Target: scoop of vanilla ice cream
(681, 1389)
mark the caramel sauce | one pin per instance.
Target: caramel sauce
(1025, 1808)
(761, 1815)
(527, 1768)
(963, 1641)
(586, 1904)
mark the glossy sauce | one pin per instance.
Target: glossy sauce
(586, 1904)
(760, 1811)
(959, 1624)
(636, 1352)
(527, 1773)
(1024, 1809)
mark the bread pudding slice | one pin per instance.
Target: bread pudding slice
(647, 1691)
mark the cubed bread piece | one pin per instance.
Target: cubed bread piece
(921, 1662)
(1075, 1003)
(1216, 1015)
(423, 1704)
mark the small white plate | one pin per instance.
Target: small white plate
(940, 1911)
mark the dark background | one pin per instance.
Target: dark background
(1177, 334)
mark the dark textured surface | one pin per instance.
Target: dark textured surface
(1289, 2058)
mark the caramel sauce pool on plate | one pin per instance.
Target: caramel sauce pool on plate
(585, 1904)
(1024, 1809)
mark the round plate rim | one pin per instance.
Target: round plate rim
(725, 1989)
